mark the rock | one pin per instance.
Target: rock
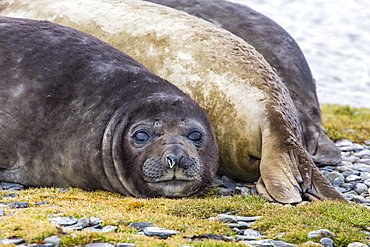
(240, 224)
(55, 240)
(64, 221)
(361, 167)
(358, 199)
(18, 204)
(227, 179)
(62, 189)
(367, 182)
(80, 224)
(268, 243)
(159, 232)
(360, 188)
(327, 242)
(38, 204)
(365, 175)
(141, 225)
(95, 221)
(11, 186)
(352, 178)
(226, 218)
(249, 234)
(343, 143)
(362, 153)
(346, 163)
(335, 178)
(363, 161)
(351, 159)
(106, 229)
(224, 191)
(12, 195)
(2, 213)
(322, 233)
(41, 245)
(357, 244)
(125, 244)
(247, 219)
(99, 245)
(12, 241)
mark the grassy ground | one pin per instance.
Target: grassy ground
(189, 216)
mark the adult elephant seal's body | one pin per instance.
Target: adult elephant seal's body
(282, 52)
(255, 121)
(75, 111)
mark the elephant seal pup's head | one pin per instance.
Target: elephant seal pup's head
(169, 149)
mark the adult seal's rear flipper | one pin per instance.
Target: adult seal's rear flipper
(290, 176)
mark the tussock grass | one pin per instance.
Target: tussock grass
(190, 216)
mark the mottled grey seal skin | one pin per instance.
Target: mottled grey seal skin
(282, 52)
(75, 111)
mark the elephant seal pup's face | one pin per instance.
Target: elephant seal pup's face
(171, 156)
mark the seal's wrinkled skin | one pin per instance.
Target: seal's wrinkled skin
(75, 111)
(255, 121)
(283, 53)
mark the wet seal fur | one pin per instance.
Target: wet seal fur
(75, 111)
(283, 53)
(255, 121)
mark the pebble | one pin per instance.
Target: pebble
(322, 233)
(55, 240)
(357, 244)
(10, 186)
(327, 242)
(141, 225)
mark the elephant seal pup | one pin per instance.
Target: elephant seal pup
(283, 53)
(75, 111)
(254, 118)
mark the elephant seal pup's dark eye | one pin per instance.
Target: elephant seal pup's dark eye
(141, 137)
(196, 136)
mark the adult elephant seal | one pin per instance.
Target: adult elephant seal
(75, 111)
(283, 53)
(255, 121)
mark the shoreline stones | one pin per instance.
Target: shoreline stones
(352, 176)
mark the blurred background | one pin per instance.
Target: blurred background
(334, 35)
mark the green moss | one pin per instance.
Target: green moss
(187, 216)
(344, 122)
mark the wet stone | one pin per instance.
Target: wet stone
(159, 232)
